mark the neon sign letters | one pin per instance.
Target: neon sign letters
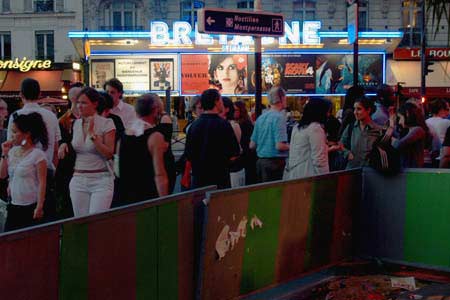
(25, 64)
(182, 35)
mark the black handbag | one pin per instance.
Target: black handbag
(385, 158)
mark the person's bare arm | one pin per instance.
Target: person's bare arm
(157, 146)
(42, 178)
(445, 157)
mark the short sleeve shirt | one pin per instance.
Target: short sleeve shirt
(270, 129)
(88, 158)
(23, 177)
(126, 112)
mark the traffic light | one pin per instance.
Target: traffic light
(427, 68)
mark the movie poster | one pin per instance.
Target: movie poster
(101, 71)
(334, 72)
(194, 73)
(294, 72)
(371, 71)
(134, 74)
(161, 74)
(229, 73)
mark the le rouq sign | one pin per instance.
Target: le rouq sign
(415, 53)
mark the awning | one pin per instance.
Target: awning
(408, 73)
(49, 80)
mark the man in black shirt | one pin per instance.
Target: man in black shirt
(211, 144)
(445, 152)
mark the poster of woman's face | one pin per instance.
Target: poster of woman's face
(161, 74)
(230, 71)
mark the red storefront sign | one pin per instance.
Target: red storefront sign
(430, 92)
(414, 53)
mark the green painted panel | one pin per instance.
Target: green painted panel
(168, 251)
(146, 254)
(261, 242)
(427, 226)
(321, 222)
(74, 262)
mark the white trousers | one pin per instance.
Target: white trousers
(91, 193)
(237, 178)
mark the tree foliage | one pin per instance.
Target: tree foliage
(439, 10)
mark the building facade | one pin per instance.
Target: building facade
(403, 15)
(34, 43)
(37, 29)
(383, 17)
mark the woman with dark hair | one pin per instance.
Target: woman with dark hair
(92, 184)
(348, 116)
(142, 173)
(26, 166)
(104, 110)
(237, 173)
(248, 156)
(358, 137)
(412, 135)
(230, 71)
(308, 152)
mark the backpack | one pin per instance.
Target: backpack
(384, 158)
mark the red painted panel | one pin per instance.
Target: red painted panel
(29, 264)
(112, 258)
(347, 195)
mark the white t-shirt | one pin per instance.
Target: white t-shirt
(23, 176)
(51, 122)
(126, 112)
(438, 127)
(88, 158)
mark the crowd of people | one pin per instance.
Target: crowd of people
(105, 153)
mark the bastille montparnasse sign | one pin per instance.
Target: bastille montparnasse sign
(221, 21)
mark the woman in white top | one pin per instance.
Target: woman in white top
(92, 184)
(308, 152)
(26, 166)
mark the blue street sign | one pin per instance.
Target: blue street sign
(352, 23)
(221, 21)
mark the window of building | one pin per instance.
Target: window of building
(5, 45)
(304, 10)
(44, 5)
(411, 14)
(363, 16)
(245, 4)
(122, 15)
(45, 45)
(6, 6)
(189, 9)
(411, 23)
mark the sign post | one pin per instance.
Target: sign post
(352, 30)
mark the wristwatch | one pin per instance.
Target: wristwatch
(93, 137)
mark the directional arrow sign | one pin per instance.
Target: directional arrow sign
(221, 21)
